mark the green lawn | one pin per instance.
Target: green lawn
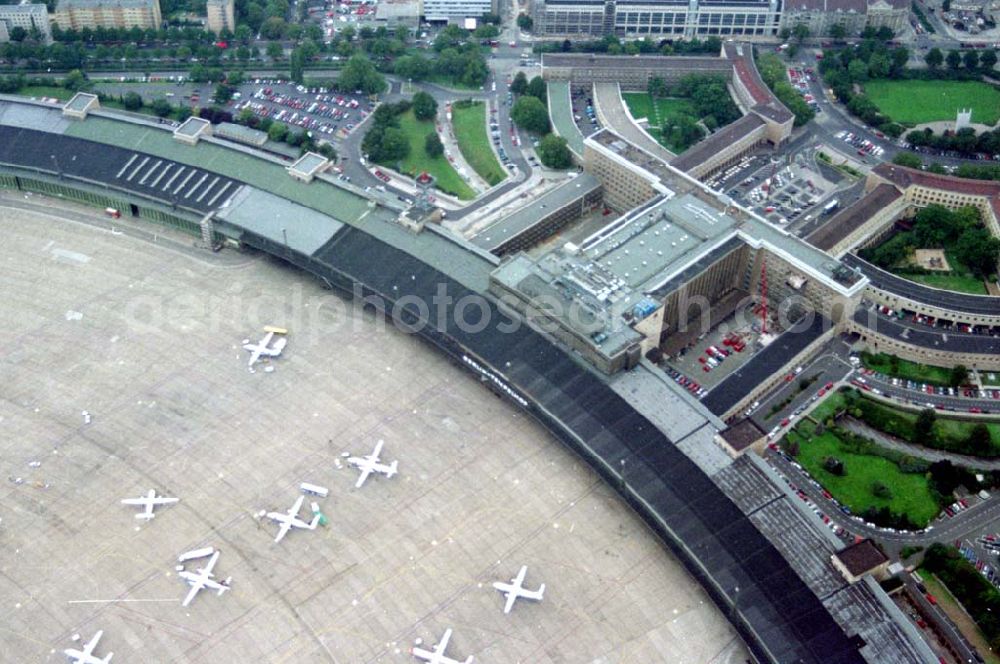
(900, 368)
(474, 143)
(448, 179)
(643, 105)
(954, 609)
(911, 494)
(827, 407)
(914, 102)
(62, 94)
(960, 283)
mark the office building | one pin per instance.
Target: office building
(220, 15)
(80, 14)
(29, 17)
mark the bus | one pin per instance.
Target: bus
(831, 206)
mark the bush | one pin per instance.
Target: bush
(554, 152)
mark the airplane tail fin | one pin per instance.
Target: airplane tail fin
(144, 516)
(541, 591)
(108, 657)
(393, 469)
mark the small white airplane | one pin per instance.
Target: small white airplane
(203, 579)
(370, 464)
(437, 656)
(263, 347)
(290, 519)
(86, 655)
(149, 501)
(516, 590)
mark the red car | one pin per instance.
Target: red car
(828, 387)
(931, 598)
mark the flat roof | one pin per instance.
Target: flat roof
(766, 362)
(927, 337)
(309, 163)
(742, 435)
(240, 133)
(694, 63)
(279, 220)
(80, 101)
(710, 146)
(561, 112)
(648, 243)
(525, 217)
(861, 557)
(192, 126)
(850, 219)
(986, 305)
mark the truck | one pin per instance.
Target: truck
(831, 206)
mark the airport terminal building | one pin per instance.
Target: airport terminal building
(588, 313)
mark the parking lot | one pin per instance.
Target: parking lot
(781, 193)
(583, 110)
(331, 114)
(863, 146)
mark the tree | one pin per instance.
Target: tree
(858, 70)
(879, 65)
(487, 31)
(834, 466)
(554, 153)
(424, 106)
(838, 31)
(433, 145)
(18, 34)
(980, 441)
(328, 151)
(971, 59)
(223, 93)
(657, 87)
(934, 58)
(412, 67)
(529, 113)
(979, 251)
(800, 32)
(924, 425)
(274, 50)
(273, 28)
(360, 74)
(525, 22)
(682, 131)
(161, 107)
(519, 84)
(884, 33)
(537, 88)
(880, 490)
(988, 60)
(75, 80)
(132, 101)
(953, 59)
(297, 66)
(277, 132)
(907, 159)
(395, 145)
(959, 375)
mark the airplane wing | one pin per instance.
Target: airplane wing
(283, 530)
(89, 648)
(442, 645)
(195, 587)
(134, 501)
(377, 451)
(511, 598)
(519, 579)
(366, 470)
(162, 500)
(207, 570)
(294, 511)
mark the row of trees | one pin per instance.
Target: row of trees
(614, 46)
(977, 595)
(985, 171)
(772, 71)
(964, 140)
(530, 112)
(972, 60)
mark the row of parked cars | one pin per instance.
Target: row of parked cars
(688, 384)
(863, 145)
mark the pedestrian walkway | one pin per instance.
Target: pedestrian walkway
(447, 133)
(925, 453)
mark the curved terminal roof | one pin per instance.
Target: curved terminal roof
(780, 618)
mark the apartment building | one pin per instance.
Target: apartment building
(79, 14)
